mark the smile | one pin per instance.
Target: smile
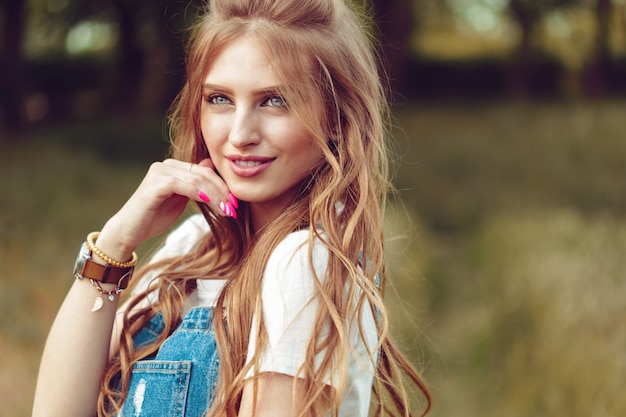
(249, 166)
(248, 163)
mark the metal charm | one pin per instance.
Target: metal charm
(97, 304)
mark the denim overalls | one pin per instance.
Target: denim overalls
(179, 380)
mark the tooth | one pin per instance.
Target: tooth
(248, 163)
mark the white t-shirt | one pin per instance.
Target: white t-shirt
(289, 305)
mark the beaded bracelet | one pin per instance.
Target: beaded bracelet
(96, 250)
(99, 302)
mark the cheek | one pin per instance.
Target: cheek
(309, 154)
(210, 132)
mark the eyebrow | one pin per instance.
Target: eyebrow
(273, 89)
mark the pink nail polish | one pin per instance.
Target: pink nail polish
(204, 197)
(225, 208)
(233, 212)
(233, 200)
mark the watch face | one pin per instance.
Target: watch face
(83, 255)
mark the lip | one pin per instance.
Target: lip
(249, 165)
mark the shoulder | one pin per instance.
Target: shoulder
(291, 280)
(290, 295)
(290, 259)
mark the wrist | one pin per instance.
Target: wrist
(101, 269)
(115, 248)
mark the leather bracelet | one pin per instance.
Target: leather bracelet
(96, 250)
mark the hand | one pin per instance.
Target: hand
(159, 201)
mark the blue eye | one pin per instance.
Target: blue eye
(218, 99)
(275, 101)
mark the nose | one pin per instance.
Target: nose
(244, 130)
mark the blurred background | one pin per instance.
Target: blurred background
(507, 235)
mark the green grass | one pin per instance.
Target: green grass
(513, 299)
(505, 252)
(51, 197)
(462, 163)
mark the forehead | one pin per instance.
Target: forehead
(242, 61)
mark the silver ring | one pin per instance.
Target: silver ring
(190, 166)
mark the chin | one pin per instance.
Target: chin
(249, 193)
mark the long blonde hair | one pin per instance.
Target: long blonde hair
(322, 53)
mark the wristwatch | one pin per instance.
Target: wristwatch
(86, 267)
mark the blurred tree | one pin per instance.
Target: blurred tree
(130, 56)
(11, 62)
(140, 67)
(128, 17)
(150, 40)
(594, 78)
(395, 24)
(527, 14)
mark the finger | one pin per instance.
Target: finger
(210, 187)
(178, 164)
(202, 176)
(207, 163)
(228, 204)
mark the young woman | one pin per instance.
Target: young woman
(268, 302)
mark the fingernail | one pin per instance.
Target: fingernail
(233, 211)
(225, 207)
(233, 200)
(204, 197)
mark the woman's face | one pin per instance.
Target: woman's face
(256, 144)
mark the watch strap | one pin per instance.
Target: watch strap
(106, 274)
